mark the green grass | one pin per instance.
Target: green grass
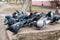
(43, 7)
(15, 4)
(9, 9)
(34, 6)
(11, 0)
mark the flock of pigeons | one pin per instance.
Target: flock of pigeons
(18, 20)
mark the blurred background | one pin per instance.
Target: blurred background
(10, 6)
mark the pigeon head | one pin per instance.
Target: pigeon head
(7, 20)
(17, 11)
(7, 17)
(12, 30)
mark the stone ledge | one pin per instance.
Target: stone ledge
(38, 35)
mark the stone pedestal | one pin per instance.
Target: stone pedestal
(45, 34)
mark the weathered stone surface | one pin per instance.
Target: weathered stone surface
(38, 35)
(3, 33)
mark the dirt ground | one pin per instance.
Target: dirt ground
(10, 9)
